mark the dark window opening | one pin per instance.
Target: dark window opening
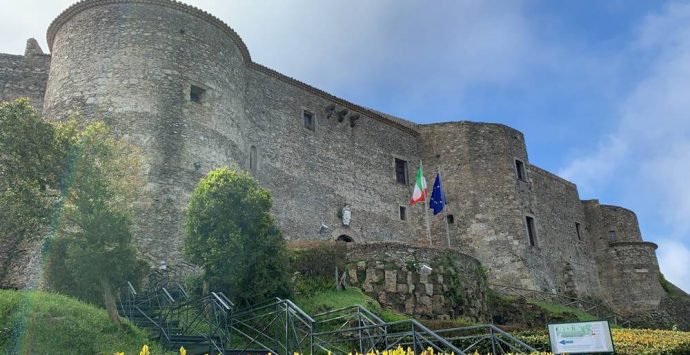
(252, 159)
(612, 236)
(308, 120)
(403, 213)
(344, 238)
(451, 219)
(196, 94)
(520, 170)
(531, 231)
(400, 171)
(577, 230)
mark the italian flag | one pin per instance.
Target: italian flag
(419, 193)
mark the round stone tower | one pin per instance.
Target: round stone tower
(484, 173)
(155, 71)
(627, 263)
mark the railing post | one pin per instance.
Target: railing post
(414, 340)
(493, 340)
(359, 325)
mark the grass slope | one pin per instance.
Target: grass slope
(33, 322)
(325, 300)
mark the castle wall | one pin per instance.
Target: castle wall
(628, 266)
(487, 201)
(313, 174)
(25, 76)
(135, 71)
(180, 84)
(567, 257)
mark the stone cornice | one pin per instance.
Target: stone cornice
(203, 15)
(630, 243)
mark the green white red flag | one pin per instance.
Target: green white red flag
(420, 191)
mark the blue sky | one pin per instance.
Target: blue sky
(601, 89)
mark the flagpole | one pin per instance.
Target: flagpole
(445, 206)
(426, 211)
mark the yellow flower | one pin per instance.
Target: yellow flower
(183, 351)
(145, 350)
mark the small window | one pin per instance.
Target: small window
(520, 170)
(400, 171)
(531, 231)
(403, 213)
(196, 94)
(577, 230)
(308, 120)
(612, 236)
(252, 159)
(450, 219)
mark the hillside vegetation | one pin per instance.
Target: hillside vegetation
(33, 322)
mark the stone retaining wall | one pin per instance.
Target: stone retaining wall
(397, 276)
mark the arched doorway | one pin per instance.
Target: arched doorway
(344, 238)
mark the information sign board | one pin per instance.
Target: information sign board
(581, 337)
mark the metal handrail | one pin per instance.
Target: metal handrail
(493, 333)
(587, 306)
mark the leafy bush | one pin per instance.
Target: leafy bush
(230, 232)
(315, 265)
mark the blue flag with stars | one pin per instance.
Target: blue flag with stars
(438, 198)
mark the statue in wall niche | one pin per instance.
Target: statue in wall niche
(347, 215)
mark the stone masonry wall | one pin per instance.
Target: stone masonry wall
(566, 257)
(628, 268)
(25, 76)
(180, 83)
(313, 174)
(484, 196)
(394, 274)
(136, 72)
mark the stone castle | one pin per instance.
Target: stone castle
(181, 84)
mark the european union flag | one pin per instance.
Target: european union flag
(438, 198)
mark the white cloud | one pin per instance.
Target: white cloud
(647, 157)
(674, 258)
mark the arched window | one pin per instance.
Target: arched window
(252, 159)
(344, 238)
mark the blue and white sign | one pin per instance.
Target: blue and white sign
(581, 337)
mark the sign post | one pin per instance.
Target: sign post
(581, 338)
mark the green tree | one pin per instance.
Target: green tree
(231, 234)
(31, 175)
(95, 240)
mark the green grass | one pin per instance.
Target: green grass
(331, 299)
(558, 310)
(33, 322)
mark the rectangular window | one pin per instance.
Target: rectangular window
(400, 171)
(531, 231)
(196, 93)
(577, 230)
(450, 219)
(308, 120)
(403, 213)
(612, 236)
(520, 170)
